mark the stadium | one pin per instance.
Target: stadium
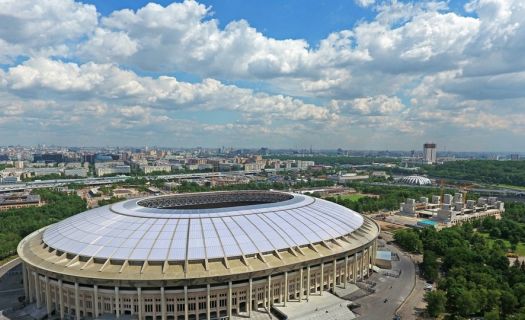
(195, 256)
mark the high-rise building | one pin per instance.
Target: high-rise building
(429, 153)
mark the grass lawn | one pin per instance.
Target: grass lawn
(520, 248)
(352, 197)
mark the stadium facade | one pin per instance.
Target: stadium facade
(196, 256)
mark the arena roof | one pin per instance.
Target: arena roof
(202, 226)
(418, 180)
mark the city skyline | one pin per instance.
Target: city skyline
(360, 75)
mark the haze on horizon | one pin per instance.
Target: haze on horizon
(386, 75)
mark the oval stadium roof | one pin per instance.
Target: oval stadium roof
(419, 180)
(201, 226)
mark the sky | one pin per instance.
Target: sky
(359, 74)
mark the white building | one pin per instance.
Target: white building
(158, 168)
(76, 172)
(118, 169)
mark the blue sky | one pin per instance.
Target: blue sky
(360, 74)
(310, 20)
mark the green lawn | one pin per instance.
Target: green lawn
(352, 197)
(520, 248)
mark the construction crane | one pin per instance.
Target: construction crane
(464, 190)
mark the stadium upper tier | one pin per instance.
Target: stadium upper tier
(203, 226)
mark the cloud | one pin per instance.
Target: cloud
(52, 79)
(410, 69)
(364, 3)
(378, 105)
(42, 28)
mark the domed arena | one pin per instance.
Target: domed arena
(417, 180)
(211, 255)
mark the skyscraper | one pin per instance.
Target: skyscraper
(429, 153)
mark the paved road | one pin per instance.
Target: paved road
(396, 290)
(11, 287)
(415, 303)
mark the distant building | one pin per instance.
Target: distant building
(157, 168)
(76, 172)
(15, 201)
(304, 165)
(416, 180)
(10, 180)
(514, 157)
(117, 169)
(429, 153)
(253, 166)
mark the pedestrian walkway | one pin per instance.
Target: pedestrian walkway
(256, 315)
(325, 307)
(342, 292)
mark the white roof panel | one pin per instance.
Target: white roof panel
(129, 231)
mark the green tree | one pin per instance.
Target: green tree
(430, 266)
(436, 302)
(508, 302)
(492, 315)
(409, 240)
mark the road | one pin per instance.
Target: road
(109, 180)
(415, 303)
(395, 290)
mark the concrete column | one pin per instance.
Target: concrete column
(132, 304)
(37, 290)
(316, 282)
(354, 267)
(250, 294)
(95, 300)
(229, 301)
(335, 274)
(117, 303)
(285, 287)
(374, 255)
(346, 272)
(368, 261)
(208, 289)
(217, 303)
(61, 299)
(140, 303)
(270, 293)
(308, 284)
(281, 290)
(322, 278)
(31, 286)
(48, 296)
(163, 303)
(301, 288)
(265, 296)
(77, 301)
(186, 311)
(361, 273)
(26, 284)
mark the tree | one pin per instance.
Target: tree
(468, 303)
(409, 240)
(436, 302)
(430, 266)
(492, 315)
(508, 302)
